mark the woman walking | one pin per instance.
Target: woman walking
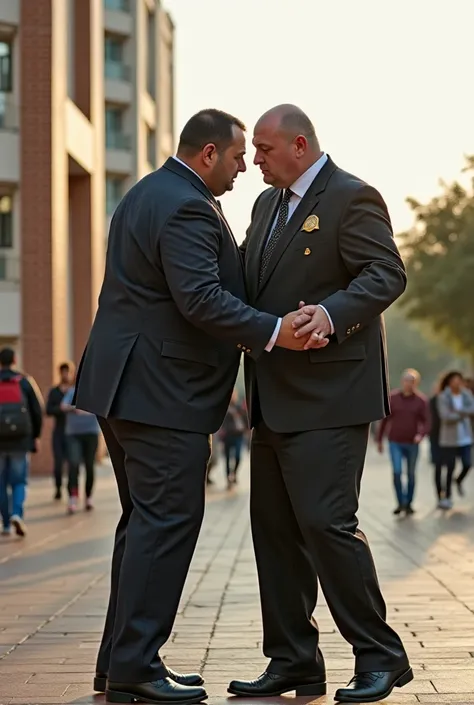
(455, 405)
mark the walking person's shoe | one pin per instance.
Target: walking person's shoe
(19, 525)
(409, 510)
(398, 510)
(460, 488)
(272, 685)
(188, 679)
(89, 505)
(58, 494)
(161, 691)
(7, 531)
(445, 503)
(372, 686)
(72, 505)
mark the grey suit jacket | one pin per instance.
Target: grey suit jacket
(450, 417)
(166, 342)
(352, 266)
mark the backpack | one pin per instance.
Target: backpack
(15, 421)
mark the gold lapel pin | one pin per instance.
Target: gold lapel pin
(307, 251)
(311, 223)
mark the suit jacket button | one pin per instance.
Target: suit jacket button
(348, 331)
(239, 346)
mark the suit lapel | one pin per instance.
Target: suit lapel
(262, 227)
(306, 206)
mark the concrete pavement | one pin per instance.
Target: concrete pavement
(53, 592)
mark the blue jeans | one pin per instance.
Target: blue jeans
(13, 482)
(399, 452)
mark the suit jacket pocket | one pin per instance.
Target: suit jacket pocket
(338, 353)
(190, 353)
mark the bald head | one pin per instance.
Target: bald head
(286, 144)
(291, 120)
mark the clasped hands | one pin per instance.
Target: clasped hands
(305, 329)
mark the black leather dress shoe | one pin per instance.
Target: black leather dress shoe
(100, 680)
(373, 685)
(271, 684)
(162, 691)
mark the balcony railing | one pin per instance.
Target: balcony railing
(120, 5)
(9, 268)
(116, 70)
(9, 114)
(117, 140)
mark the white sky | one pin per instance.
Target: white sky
(389, 84)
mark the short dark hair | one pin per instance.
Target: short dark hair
(7, 357)
(64, 366)
(206, 127)
(446, 380)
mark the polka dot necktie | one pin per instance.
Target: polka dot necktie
(276, 232)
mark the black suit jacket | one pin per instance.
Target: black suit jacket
(352, 266)
(171, 323)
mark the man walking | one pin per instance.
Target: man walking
(58, 438)
(406, 427)
(322, 236)
(158, 370)
(21, 420)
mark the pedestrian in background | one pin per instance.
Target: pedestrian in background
(406, 427)
(82, 440)
(232, 435)
(455, 404)
(21, 420)
(58, 438)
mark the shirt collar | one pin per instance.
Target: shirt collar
(304, 181)
(188, 167)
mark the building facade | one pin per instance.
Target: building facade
(86, 109)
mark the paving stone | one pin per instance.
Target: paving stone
(54, 591)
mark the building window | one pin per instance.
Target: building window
(151, 54)
(6, 222)
(151, 147)
(114, 66)
(114, 136)
(6, 77)
(120, 5)
(113, 192)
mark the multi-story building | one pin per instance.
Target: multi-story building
(86, 109)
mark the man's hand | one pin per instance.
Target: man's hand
(316, 330)
(286, 336)
(418, 438)
(380, 446)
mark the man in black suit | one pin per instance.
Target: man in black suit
(158, 370)
(323, 236)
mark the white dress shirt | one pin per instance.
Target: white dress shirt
(299, 188)
(272, 340)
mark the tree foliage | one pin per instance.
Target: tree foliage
(439, 254)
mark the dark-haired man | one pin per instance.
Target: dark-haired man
(158, 370)
(324, 236)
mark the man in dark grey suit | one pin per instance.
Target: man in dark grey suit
(158, 370)
(323, 236)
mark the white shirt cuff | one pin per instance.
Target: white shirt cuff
(329, 318)
(273, 339)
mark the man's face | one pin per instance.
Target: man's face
(408, 384)
(65, 375)
(228, 165)
(276, 155)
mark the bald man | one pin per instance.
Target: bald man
(321, 236)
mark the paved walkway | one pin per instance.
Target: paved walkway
(53, 591)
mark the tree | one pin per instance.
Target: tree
(409, 345)
(439, 253)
